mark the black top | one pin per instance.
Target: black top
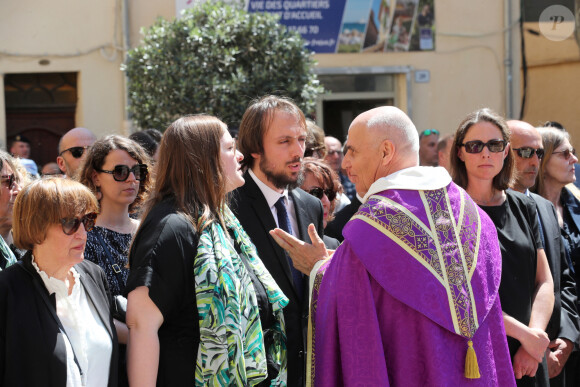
(162, 258)
(117, 245)
(571, 233)
(516, 221)
(334, 228)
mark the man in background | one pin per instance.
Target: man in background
(428, 156)
(72, 149)
(334, 159)
(444, 152)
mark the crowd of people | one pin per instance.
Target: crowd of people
(280, 257)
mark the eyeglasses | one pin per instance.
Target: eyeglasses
(566, 153)
(429, 132)
(71, 225)
(528, 153)
(477, 146)
(10, 179)
(319, 193)
(333, 152)
(121, 172)
(76, 151)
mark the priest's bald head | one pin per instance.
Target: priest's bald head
(380, 141)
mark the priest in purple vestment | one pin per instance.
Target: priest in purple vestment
(410, 298)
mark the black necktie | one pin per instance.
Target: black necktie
(284, 224)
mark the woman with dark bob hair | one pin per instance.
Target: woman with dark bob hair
(56, 327)
(202, 308)
(482, 164)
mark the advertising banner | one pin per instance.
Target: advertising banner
(352, 26)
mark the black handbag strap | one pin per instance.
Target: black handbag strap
(116, 268)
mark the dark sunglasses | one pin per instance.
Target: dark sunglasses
(566, 153)
(76, 151)
(121, 172)
(319, 193)
(528, 153)
(477, 146)
(429, 132)
(71, 225)
(9, 179)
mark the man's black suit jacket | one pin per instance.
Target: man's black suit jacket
(250, 207)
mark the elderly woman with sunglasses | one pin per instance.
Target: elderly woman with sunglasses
(56, 327)
(9, 188)
(556, 171)
(482, 164)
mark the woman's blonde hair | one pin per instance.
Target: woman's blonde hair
(45, 202)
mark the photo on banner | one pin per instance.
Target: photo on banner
(355, 26)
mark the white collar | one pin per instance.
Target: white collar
(54, 285)
(271, 195)
(413, 178)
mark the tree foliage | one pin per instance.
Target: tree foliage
(215, 59)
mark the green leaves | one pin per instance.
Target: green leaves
(215, 59)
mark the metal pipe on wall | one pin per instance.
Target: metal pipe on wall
(508, 60)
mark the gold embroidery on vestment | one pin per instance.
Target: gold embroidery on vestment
(436, 246)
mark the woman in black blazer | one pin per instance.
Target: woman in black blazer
(56, 327)
(555, 174)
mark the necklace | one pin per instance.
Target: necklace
(497, 197)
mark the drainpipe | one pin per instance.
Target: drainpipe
(508, 61)
(126, 46)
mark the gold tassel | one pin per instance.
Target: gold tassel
(471, 367)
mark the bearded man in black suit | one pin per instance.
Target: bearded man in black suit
(272, 138)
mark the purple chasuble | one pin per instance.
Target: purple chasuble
(415, 279)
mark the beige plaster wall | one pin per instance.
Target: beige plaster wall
(70, 34)
(553, 91)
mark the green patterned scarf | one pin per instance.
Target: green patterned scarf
(231, 349)
(6, 253)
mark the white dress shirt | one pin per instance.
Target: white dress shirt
(272, 197)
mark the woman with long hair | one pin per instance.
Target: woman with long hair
(482, 164)
(202, 308)
(555, 174)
